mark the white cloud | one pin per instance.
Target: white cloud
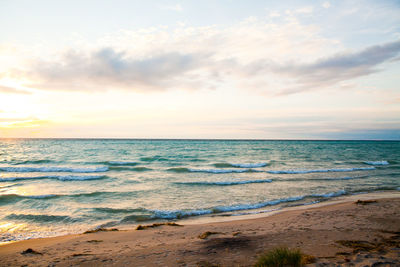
(255, 55)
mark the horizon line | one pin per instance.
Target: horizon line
(187, 139)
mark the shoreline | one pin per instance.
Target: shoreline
(315, 229)
(234, 216)
(254, 214)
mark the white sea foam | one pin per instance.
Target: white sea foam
(331, 194)
(382, 162)
(321, 170)
(174, 214)
(53, 169)
(255, 212)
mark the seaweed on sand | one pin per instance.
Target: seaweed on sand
(143, 227)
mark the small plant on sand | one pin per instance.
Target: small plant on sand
(284, 257)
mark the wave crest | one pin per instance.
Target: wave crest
(240, 165)
(382, 162)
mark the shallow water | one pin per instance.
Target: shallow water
(53, 186)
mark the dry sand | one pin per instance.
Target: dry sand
(342, 233)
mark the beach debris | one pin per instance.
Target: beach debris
(379, 246)
(358, 245)
(31, 251)
(207, 234)
(100, 230)
(94, 241)
(143, 227)
(365, 202)
(81, 254)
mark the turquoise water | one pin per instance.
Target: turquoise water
(53, 187)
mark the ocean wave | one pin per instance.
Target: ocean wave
(331, 194)
(240, 165)
(39, 218)
(382, 162)
(224, 183)
(129, 163)
(223, 170)
(178, 170)
(39, 161)
(117, 210)
(7, 198)
(186, 170)
(335, 178)
(133, 169)
(147, 215)
(56, 177)
(115, 163)
(8, 186)
(137, 218)
(321, 170)
(153, 158)
(53, 169)
(258, 205)
(178, 214)
(16, 197)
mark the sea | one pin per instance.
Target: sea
(51, 187)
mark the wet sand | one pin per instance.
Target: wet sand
(338, 232)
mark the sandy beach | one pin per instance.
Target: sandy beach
(344, 231)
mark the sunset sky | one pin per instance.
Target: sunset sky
(200, 69)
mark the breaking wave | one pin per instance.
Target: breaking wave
(383, 162)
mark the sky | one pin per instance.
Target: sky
(220, 69)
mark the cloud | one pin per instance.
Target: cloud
(338, 68)
(10, 90)
(254, 55)
(107, 68)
